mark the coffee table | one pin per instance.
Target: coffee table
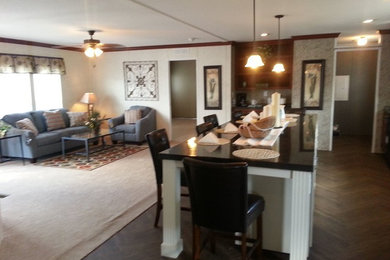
(90, 137)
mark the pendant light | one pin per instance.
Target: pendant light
(278, 67)
(254, 61)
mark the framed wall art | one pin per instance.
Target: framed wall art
(313, 74)
(213, 87)
(141, 80)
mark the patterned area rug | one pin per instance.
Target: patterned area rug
(74, 160)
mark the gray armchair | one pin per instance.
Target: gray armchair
(134, 132)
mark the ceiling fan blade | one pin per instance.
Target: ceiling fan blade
(110, 45)
(74, 46)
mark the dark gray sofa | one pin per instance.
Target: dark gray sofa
(134, 132)
(46, 142)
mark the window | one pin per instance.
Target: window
(15, 92)
(47, 91)
(25, 92)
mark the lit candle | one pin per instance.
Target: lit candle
(276, 108)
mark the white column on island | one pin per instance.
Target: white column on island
(301, 188)
(172, 244)
(276, 108)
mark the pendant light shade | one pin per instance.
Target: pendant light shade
(254, 61)
(278, 67)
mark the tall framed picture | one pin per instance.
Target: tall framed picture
(313, 74)
(141, 80)
(213, 87)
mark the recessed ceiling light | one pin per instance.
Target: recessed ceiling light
(192, 39)
(362, 41)
(368, 21)
(264, 34)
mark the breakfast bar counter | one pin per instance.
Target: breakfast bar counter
(286, 182)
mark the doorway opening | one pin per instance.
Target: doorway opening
(354, 105)
(183, 99)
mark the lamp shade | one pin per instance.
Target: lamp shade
(254, 61)
(278, 68)
(88, 98)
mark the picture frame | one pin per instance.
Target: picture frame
(213, 87)
(313, 75)
(141, 80)
(307, 126)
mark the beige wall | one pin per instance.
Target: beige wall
(316, 49)
(108, 80)
(76, 80)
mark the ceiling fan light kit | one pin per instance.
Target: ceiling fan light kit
(278, 67)
(254, 61)
(92, 48)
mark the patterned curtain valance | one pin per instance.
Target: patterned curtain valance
(12, 63)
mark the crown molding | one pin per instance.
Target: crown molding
(315, 36)
(387, 31)
(39, 44)
(169, 46)
(151, 47)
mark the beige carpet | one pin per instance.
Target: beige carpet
(64, 213)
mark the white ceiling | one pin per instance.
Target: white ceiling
(158, 22)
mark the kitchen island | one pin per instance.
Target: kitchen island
(287, 184)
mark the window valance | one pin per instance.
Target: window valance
(14, 63)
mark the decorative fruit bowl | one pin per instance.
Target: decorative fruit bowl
(258, 129)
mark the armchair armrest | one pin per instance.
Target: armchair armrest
(145, 125)
(113, 122)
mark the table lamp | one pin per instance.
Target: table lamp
(89, 99)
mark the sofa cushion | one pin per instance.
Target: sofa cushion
(71, 130)
(27, 124)
(132, 116)
(39, 120)
(13, 118)
(128, 128)
(144, 110)
(65, 116)
(54, 120)
(77, 118)
(48, 138)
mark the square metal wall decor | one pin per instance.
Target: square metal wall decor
(141, 80)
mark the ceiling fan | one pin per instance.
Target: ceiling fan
(93, 47)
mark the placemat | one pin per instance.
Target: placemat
(221, 141)
(256, 154)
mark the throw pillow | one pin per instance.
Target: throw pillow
(132, 116)
(54, 120)
(77, 118)
(27, 124)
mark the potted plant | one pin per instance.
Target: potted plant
(4, 127)
(94, 122)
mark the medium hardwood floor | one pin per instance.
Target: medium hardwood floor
(351, 218)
